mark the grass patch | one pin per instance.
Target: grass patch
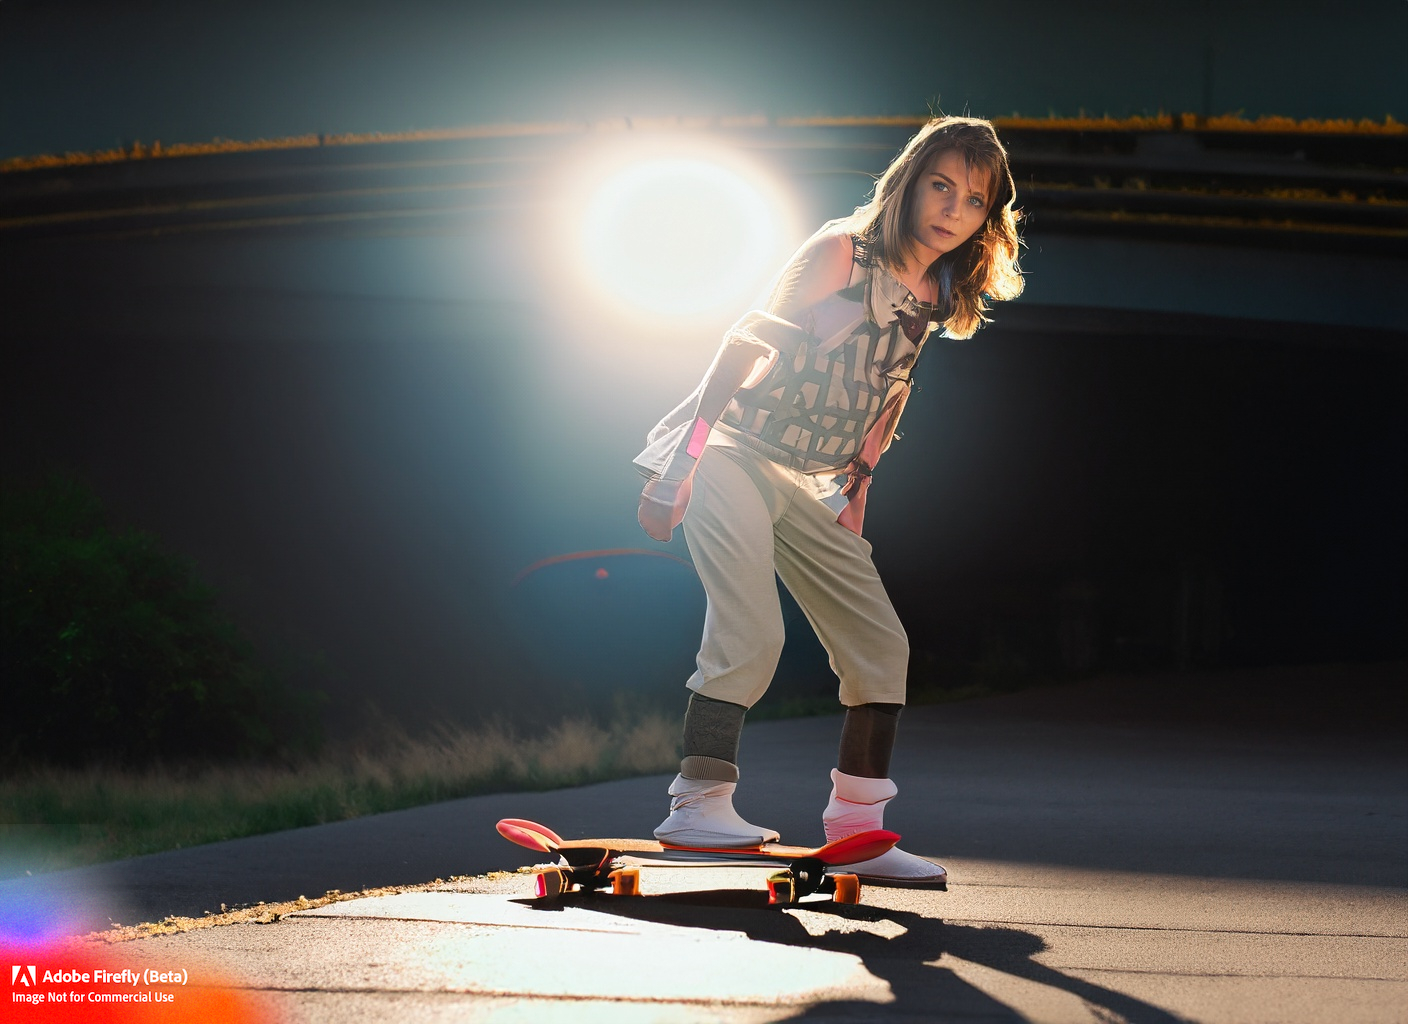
(57, 818)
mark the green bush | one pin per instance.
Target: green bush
(113, 651)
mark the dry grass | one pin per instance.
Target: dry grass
(57, 818)
(268, 913)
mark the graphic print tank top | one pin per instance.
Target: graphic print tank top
(855, 349)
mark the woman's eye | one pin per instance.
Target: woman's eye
(975, 201)
(940, 186)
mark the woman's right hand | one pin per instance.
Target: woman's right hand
(662, 506)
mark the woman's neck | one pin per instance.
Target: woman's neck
(915, 276)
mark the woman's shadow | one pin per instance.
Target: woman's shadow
(899, 947)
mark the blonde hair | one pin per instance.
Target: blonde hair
(982, 269)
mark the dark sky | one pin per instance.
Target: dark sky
(80, 76)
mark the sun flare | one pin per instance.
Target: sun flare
(679, 234)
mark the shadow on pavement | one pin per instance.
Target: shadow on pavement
(903, 956)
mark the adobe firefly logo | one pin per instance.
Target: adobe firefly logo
(22, 975)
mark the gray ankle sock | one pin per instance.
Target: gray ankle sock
(708, 769)
(711, 731)
(712, 727)
(868, 739)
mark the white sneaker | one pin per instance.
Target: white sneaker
(894, 867)
(702, 814)
(858, 805)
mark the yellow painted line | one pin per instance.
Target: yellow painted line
(1231, 123)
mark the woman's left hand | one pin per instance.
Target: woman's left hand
(662, 506)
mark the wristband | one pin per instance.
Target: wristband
(698, 438)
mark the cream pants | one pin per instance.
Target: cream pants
(750, 518)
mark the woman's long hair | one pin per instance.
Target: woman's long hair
(984, 267)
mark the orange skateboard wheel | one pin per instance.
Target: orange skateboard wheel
(781, 888)
(625, 882)
(847, 888)
(552, 882)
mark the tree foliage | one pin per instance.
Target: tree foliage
(113, 651)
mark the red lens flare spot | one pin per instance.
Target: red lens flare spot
(601, 573)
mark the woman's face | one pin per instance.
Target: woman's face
(949, 203)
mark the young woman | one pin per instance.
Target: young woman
(800, 398)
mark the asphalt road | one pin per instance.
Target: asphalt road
(1208, 848)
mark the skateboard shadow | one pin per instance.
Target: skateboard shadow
(903, 956)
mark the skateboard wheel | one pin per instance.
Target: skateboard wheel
(781, 889)
(552, 882)
(625, 882)
(847, 888)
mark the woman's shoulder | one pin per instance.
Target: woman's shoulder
(826, 259)
(820, 268)
(833, 245)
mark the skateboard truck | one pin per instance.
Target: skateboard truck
(596, 863)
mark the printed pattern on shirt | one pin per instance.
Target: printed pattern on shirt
(817, 406)
(812, 410)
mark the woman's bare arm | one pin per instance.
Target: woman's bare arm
(662, 502)
(820, 269)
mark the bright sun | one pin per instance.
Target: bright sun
(681, 235)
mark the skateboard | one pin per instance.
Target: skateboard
(797, 871)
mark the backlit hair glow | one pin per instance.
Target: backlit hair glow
(983, 268)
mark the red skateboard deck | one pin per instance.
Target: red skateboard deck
(596, 863)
